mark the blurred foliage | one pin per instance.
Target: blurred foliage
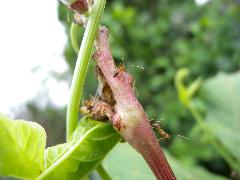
(162, 37)
(216, 111)
(222, 114)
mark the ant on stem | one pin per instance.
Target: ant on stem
(164, 135)
(156, 125)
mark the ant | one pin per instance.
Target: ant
(120, 68)
(156, 125)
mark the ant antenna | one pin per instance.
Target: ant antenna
(137, 66)
(183, 137)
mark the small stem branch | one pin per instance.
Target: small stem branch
(103, 173)
(73, 33)
(82, 64)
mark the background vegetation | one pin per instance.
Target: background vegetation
(163, 36)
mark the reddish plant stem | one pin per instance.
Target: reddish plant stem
(130, 118)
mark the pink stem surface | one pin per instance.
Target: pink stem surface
(130, 118)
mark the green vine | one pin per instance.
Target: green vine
(82, 65)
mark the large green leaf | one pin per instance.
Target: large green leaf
(90, 143)
(125, 163)
(222, 99)
(22, 145)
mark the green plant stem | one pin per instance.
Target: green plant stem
(224, 153)
(73, 33)
(82, 64)
(103, 173)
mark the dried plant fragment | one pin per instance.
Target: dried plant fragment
(79, 6)
(99, 110)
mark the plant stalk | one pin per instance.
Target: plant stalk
(103, 173)
(82, 65)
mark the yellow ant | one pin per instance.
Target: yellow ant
(120, 68)
(157, 126)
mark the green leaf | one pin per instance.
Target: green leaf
(125, 163)
(22, 145)
(221, 96)
(90, 143)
